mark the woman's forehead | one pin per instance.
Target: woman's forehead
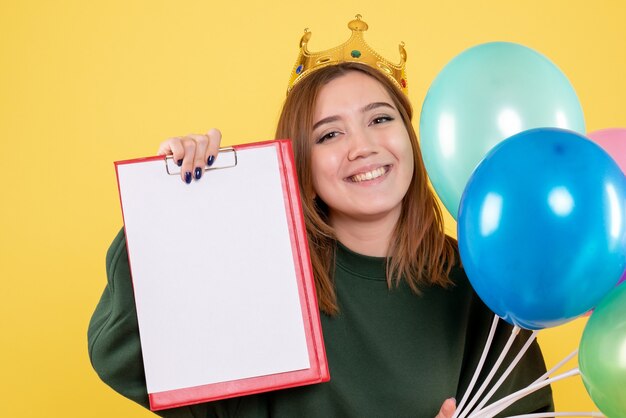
(351, 91)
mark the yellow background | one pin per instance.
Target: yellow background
(83, 84)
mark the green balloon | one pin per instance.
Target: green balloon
(602, 354)
(483, 96)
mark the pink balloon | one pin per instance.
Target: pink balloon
(613, 141)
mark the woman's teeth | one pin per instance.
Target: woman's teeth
(370, 175)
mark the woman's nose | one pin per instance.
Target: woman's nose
(362, 144)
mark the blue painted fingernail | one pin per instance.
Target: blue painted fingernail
(187, 177)
(198, 173)
(210, 160)
(179, 162)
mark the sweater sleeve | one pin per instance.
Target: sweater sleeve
(113, 337)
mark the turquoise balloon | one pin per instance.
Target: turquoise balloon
(483, 96)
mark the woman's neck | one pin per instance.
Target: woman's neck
(370, 237)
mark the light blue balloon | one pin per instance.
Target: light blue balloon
(483, 96)
(542, 227)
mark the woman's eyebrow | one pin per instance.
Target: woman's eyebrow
(325, 120)
(376, 105)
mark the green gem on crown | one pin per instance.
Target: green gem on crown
(355, 53)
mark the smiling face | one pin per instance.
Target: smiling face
(361, 155)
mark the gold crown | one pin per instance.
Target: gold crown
(354, 49)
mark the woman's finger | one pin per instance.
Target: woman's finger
(215, 138)
(173, 147)
(187, 166)
(199, 162)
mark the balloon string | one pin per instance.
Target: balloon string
(479, 367)
(508, 371)
(498, 406)
(541, 378)
(560, 414)
(558, 366)
(514, 332)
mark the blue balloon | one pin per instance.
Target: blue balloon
(542, 227)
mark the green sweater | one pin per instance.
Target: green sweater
(390, 352)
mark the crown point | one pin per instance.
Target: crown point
(305, 38)
(357, 24)
(402, 52)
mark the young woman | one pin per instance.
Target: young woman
(402, 326)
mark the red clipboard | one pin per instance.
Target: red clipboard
(221, 272)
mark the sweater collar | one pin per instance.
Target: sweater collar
(373, 268)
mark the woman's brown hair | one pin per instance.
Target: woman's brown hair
(419, 251)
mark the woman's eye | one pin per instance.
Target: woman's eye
(327, 136)
(381, 119)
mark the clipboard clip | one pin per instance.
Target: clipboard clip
(227, 159)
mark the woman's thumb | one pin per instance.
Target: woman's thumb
(447, 409)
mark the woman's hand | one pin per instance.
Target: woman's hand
(447, 409)
(192, 152)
